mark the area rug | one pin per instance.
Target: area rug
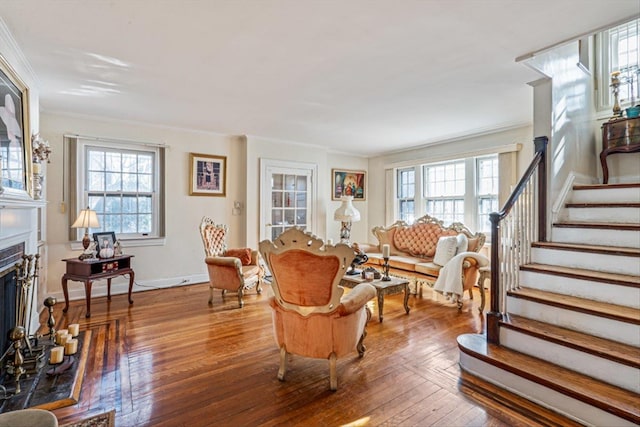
(107, 419)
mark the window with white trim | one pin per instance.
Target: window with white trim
(487, 173)
(461, 190)
(123, 184)
(444, 191)
(618, 50)
(406, 194)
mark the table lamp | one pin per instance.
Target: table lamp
(347, 214)
(87, 218)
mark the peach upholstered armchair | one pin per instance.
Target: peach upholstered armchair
(311, 316)
(229, 269)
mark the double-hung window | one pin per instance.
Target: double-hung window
(406, 194)
(461, 190)
(486, 191)
(444, 191)
(123, 184)
(619, 51)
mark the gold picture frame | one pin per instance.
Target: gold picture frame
(207, 175)
(15, 142)
(348, 183)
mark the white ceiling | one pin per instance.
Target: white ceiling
(358, 76)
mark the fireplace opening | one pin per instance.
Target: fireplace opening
(9, 257)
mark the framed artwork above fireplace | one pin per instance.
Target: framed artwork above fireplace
(15, 142)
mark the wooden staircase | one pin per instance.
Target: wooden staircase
(570, 340)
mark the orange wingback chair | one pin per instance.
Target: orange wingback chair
(229, 269)
(311, 316)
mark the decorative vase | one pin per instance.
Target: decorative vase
(106, 253)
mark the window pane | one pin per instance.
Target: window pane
(144, 204)
(129, 182)
(112, 223)
(95, 181)
(130, 204)
(301, 183)
(113, 162)
(129, 223)
(145, 163)
(113, 181)
(129, 162)
(145, 223)
(145, 184)
(113, 204)
(96, 161)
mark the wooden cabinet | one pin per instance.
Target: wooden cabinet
(619, 136)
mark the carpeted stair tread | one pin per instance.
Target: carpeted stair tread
(601, 347)
(567, 302)
(609, 398)
(581, 273)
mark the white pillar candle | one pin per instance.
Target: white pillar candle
(61, 336)
(74, 329)
(330, 242)
(386, 250)
(71, 347)
(56, 355)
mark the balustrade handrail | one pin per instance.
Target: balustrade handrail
(538, 164)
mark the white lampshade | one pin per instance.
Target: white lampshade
(346, 212)
(87, 218)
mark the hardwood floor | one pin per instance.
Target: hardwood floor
(170, 359)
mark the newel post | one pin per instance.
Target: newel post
(540, 144)
(494, 316)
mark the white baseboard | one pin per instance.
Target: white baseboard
(120, 286)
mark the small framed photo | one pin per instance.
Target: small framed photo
(207, 175)
(104, 240)
(348, 183)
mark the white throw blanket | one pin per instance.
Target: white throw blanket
(449, 280)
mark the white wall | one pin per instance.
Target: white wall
(182, 255)
(325, 226)
(451, 149)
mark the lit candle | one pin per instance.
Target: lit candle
(56, 355)
(71, 347)
(386, 249)
(74, 329)
(62, 338)
(330, 242)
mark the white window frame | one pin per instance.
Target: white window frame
(400, 200)
(492, 195)
(471, 217)
(607, 62)
(444, 197)
(156, 236)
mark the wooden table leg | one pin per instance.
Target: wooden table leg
(131, 280)
(87, 290)
(406, 298)
(65, 291)
(380, 305)
(109, 289)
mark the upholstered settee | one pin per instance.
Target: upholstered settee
(418, 253)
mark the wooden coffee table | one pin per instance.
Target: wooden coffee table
(392, 287)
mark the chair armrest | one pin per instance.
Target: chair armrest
(255, 257)
(355, 299)
(224, 261)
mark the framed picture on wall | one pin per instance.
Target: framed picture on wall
(207, 175)
(348, 183)
(15, 143)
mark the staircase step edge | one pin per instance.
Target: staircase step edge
(574, 304)
(579, 273)
(597, 249)
(600, 347)
(605, 186)
(579, 386)
(598, 225)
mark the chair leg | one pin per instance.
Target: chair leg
(361, 347)
(210, 294)
(240, 294)
(283, 363)
(259, 286)
(333, 376)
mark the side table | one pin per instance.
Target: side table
(391, 287)
(89, 270)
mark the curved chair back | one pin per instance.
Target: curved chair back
(213, 237)
(306, 273)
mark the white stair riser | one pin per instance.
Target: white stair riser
(596, 236)
(606, 195)
(618, 264)
(602, 327)
(603, 292)
(544, 396)
(624, 215)
(605, 370)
